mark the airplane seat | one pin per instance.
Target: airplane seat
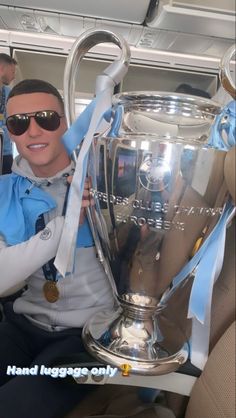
(223, 298)
(10, 296)
(212, 396)
(222, 310)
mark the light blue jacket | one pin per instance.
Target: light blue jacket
(84, 292)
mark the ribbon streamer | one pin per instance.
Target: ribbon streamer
(88, 123)
(207, 273)
(207, 263)
(224, 126)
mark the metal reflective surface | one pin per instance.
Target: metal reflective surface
(158, 191)
(225, 75)
(81, 46)
(111, 76)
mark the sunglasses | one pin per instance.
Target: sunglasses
(46, 119)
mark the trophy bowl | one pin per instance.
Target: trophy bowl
(158, 191)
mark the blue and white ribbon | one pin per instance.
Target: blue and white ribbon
(207, 273)
(207, 263)
(83, 129)
(223, 133)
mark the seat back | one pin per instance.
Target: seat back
(213, 395)
(223, 300)
(222, 310)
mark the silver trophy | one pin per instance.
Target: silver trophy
(158, 191)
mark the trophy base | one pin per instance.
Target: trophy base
(130, 337)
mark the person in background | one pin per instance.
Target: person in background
(193, 91)
(45, 322)
(7, 75)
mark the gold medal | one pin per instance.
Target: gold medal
(51, 291)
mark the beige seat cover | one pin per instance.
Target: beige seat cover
(223, 301)
(213, 395)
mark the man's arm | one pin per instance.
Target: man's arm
(19, 261)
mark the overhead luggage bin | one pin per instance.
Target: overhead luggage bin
(131, 11)
(202, 17)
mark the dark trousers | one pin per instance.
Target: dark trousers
(24, 345)
(6, 164)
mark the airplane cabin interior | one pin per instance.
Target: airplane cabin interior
(164, 197)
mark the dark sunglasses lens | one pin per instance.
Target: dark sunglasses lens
(48, 120)
(17, 124)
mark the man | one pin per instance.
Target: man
(7, 75)
(46, 320)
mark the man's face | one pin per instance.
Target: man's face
(41, 148)
(7, 73)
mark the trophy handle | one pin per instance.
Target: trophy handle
(114, 73)
(225, 76)
(110, 77)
